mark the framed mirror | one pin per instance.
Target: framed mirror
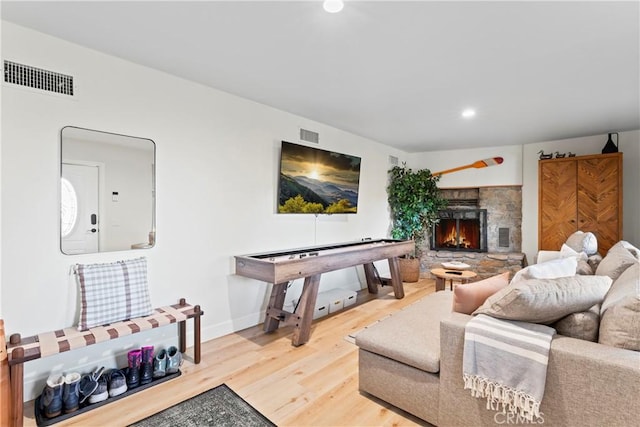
(107, 191)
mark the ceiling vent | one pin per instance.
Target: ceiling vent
(37, 78)
(309, 136)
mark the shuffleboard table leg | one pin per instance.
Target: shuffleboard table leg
(276, 300)
(396, 280)
(371, 278)
(306, 306)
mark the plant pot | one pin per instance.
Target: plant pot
(409, 269)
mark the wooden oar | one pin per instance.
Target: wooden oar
(477, 164)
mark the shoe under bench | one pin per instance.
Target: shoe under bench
(21, 350)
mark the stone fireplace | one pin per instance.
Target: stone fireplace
(480, 227)
(460, 230)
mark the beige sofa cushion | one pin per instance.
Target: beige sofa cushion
(582, 325)
(412, 335)
(620, 313)
(617, 260)
(546, 300)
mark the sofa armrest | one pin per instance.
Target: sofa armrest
(544, 256)
(587, 383)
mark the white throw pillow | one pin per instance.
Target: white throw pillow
(567, 251)
(583, 242)
(561, 267)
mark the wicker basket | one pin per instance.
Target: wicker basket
(409, 269)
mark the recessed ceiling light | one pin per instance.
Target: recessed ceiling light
(469, 113)
(333, 6)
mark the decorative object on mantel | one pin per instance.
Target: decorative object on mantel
(493, 161)
(570, 154)
(544, 156)
(560, 155)
(610, 147)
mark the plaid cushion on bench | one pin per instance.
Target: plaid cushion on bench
(112, 292)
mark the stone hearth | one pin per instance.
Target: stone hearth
(504, 232)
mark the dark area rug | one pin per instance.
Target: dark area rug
(220, 407)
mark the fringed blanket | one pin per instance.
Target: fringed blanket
(505, 361)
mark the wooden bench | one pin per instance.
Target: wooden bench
(21, 350)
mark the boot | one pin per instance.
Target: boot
(51, 398)
(146, 367)
(71, 392)
(134, 357)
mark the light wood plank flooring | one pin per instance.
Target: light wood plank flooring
(315, 384)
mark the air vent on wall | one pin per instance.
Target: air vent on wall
(503, 237)
(37, 78)
(393, 160)
(309, 136)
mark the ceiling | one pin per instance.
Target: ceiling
(397, 72)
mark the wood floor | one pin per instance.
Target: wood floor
(315, 384)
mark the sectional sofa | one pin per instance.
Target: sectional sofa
(413, 360)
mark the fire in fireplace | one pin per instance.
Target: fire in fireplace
(461, 230)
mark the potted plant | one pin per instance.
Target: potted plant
(414, 200)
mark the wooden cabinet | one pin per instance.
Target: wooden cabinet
(580, 193)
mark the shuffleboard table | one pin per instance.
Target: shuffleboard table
(281, 267)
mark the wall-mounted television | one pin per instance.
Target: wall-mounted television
(314, 181)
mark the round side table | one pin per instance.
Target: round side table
(442, 275)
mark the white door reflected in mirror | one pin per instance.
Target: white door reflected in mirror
(79, 224)
(107, 197)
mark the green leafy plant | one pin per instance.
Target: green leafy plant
(414, 199)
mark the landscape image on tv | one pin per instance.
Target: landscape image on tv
(317, 181)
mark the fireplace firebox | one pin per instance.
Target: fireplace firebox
(460, 230)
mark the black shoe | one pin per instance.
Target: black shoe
(133, 377)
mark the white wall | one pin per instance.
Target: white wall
(217, 171)
(507, 173)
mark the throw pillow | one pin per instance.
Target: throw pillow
(594, 261)
(561, 267)
(467, 298)
(583, 242)
(634, 251)
(582, 325)
(112, 292)
(620, 313)
(584, 268)
(617, 260)
(567, 251)
(546, 300)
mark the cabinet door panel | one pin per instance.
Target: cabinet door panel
(599, 199)
(557, 203)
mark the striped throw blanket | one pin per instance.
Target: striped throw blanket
(505, 361)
